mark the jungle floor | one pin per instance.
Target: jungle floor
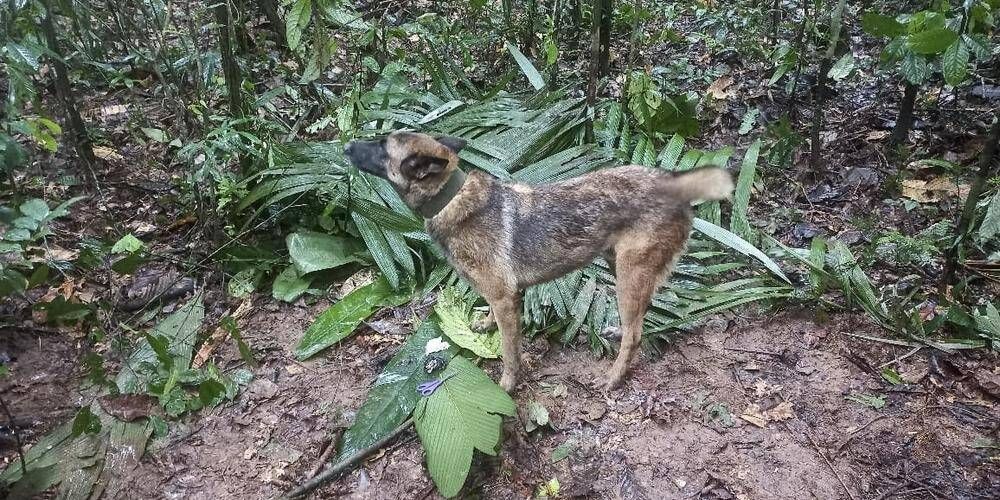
(746, 408)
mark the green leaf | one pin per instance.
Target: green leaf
(876, 24)
(538, 416)
(211, 392)
(297, 21)
(740, 224)
(564, 450)
(671, 153)
(978, 45)
(915, 68)
(35, 208)
(229, 324)
(156, 135)
(86, 422)
(28, 223)
(749, 119)
(892, 376)
(311, 251)
(955, 63)
(23, 54)
(161, 348)
(739, 244)
(17, 234)
(932, 41)
(180, 329)
(453, 314)
(342, 318)
(243, 283)
(289, 285)
(990, 227)
(873, 400)
(127, 244)
(534, 77)
(842, 68)
(394, 395)
(461, 416)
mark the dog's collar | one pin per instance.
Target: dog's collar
(436, 203)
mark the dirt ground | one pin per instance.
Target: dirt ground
(746, 408)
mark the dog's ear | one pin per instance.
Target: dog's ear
(418, 167)
(453, 143)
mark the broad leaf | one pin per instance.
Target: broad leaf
(842, 68)
(876, 24)
(453, 314)
(342, 318)
(296, 22)
(915, 68)
(243, 283)
(127, 244)
(990, 228)
(156, 135)
(35, 208)
(289, 285)
(955, 63)
(393, 396)
(311, 251)
(462, 415)
(534, 77)
(933, 41)
(180, 329)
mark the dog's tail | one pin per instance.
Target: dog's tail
(703, 184)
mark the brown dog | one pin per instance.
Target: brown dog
(503, 237)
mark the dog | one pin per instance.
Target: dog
(503, 237)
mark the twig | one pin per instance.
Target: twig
(754, 351)
(901, 358)
(331, 446)
(333, 471)
(829, 464)
(863, 427)
(17, 436)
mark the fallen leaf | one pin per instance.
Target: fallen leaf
(564, 450)
(877, 135)
(129, 407)
(753, 415)
(538, 416)
(594, 411)
(933, 190)
(719, 89)
(783, 411)
(559, 391)
(106, 153)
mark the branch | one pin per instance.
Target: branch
(333, 471)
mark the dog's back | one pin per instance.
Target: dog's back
(541, 232)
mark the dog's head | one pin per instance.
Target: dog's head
(417, 165)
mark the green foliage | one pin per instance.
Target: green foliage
(342, 318)
(454, 318)
(25, 228)
(462, 415)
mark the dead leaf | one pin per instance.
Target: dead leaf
(933, 190)
(594, 411)
(783, 411)
(114, 109)
(719, 89)
(106, 153)
(762, 389)
(877, 135)
(559, 391)
(753, 415)
(129, 407)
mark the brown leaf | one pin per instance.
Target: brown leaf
(129, 407)
(719, 89)
(933, 190)
(877, 135)
(753, 415)
(783, 411)
(106, 153)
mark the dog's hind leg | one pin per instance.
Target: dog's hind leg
(641, 263)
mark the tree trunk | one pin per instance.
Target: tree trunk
(987, 169)
(607, 11)
(528, 35)
(901, 132)
(595, 65)
(74, 122)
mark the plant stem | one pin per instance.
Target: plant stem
(986, 170)
(336, 469)
(17, 436)
(595, 66)
(905, 119)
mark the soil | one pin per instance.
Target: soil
(746, 408)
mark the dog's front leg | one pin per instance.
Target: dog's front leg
(506, 309)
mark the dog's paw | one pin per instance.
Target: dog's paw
(612, 333)
(508, 383)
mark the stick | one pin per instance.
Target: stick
(17, 436)
(829, 464)
(754, 351)
(342, 466)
